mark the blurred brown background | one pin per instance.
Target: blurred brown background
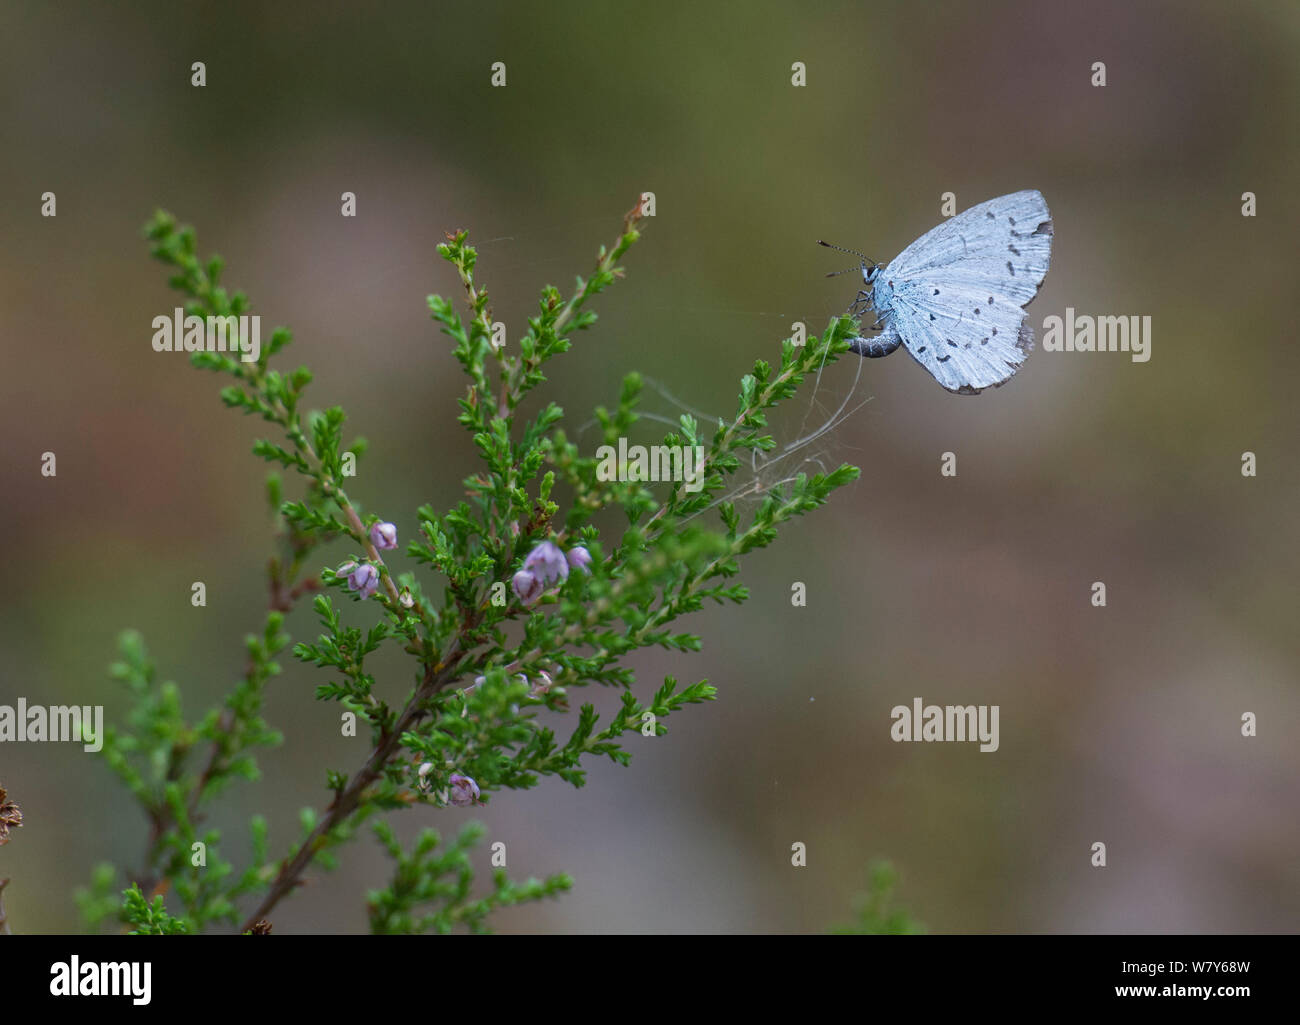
(1118, 725)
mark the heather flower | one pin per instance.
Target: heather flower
(547, 563)
(364, 580)
(527, 587)
(579, 558)
(543, 686)
(463, 791)
(383, 536)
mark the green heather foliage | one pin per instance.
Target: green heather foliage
(876, 914)
(492, 673)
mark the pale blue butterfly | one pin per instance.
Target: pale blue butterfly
(955, 297)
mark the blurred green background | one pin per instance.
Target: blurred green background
(1118, 725)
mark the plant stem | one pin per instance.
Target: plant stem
(349, 799)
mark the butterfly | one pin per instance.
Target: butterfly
(955, 297)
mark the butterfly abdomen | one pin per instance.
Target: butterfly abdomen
(879, 345)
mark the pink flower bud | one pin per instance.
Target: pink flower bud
(547, 563)
(543, 686)
(383, 536)
(463, 791)
(579, 558)
(364, 580)
(527, 587)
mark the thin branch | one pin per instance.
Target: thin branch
(349, 799)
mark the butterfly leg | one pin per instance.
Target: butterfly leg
(861, 304)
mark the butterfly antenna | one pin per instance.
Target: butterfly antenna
(852, 252)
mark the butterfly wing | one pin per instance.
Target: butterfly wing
(956, 294)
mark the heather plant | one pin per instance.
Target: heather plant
(11, 817)
(505, 604)
(875, 912)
